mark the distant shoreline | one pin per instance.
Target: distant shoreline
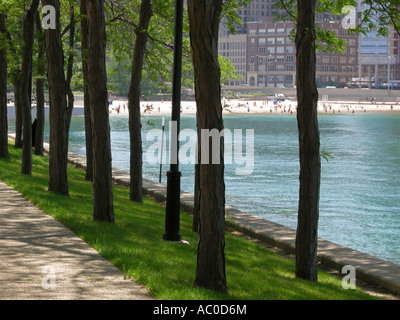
(240, 107)
(255, 107)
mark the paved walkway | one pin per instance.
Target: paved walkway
(41, 259)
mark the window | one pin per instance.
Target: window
(271, 40)
(261, 41)
(262, 32)
(289, 49)
(280, 59)
(289, 59)
(280, 41)
(270, 50)
(280, 50)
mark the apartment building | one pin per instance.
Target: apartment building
(380, 59)
(271, 56)
(267, 56)
(233, 47)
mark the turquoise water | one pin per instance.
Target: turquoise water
(360, 185)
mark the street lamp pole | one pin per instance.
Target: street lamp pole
(172, 212)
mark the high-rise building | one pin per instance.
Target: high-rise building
(269, 59)
(271, 56)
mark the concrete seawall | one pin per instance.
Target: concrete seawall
(368, 268)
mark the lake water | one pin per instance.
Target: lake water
(360, 185)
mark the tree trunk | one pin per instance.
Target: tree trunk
(70, 65)
(309, 144)
(3, 93)
(58, 158)
(41, 70)
(204, 18)
(103, 208)
(25, 86)
(195, 221)
(134, 103)
(18, 115)
(86, 101)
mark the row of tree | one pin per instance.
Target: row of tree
(148, 21)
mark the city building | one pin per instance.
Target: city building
(233, 47)
(266, 56)
(380, 59)
(263, 52)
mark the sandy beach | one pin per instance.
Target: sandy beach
(232, 107)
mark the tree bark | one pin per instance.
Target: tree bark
(103, 208)
(25, 86)
(70, 64)
(3, 93)
(204, 18)
(195, 220)
(309, 143)
(86, 101)
(41, 70)
(18, 114)
(135, 126)
(58, 158)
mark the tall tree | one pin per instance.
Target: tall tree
(103, 208)
(59, 122)
(41, 70)
(25, 85)
(374, 17)
(231, 19)
(3, 90)
(134, 102)
(309, 143)
(204, 19)
(86, 101)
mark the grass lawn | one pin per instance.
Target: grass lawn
(134, 244)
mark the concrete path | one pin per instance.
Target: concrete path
(41, 259)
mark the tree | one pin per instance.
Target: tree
(134, 102)
(59, 112)
(309, 37)
(103, 208)
(309, 142)
(41, 70)
(3, 90)
(14, 45)
(86, 100)
(25, 85)
(204, 19)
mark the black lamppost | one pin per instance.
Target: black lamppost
(172, 213)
